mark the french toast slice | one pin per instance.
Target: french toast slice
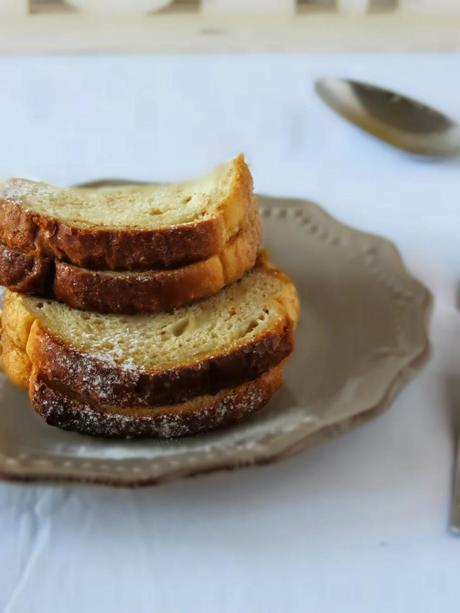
(69, 411)
(132, 227)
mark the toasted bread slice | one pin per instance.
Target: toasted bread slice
(69, 411)
(132, 292)
(151, 360)
(127, 228)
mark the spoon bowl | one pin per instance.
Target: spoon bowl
(394, 118)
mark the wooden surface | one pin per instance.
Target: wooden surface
(52, 26)
(187, 31)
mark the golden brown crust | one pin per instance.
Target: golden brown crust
(106, 248)
(69, 411)
(132, 292)
(16, 320)
(25, 272)
(15, 362)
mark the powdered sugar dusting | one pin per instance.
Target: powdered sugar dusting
(16, 190)
(134, 206)
(205, 413)
(239, 314)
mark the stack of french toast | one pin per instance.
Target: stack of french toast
(142, 310)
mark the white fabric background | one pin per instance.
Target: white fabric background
(356, 525)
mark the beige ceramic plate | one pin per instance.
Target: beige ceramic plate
(363, 332)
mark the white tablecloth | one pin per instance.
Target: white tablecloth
(359, 524)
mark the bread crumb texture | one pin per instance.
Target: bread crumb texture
(139, 206)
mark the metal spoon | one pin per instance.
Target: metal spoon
(396, 119)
